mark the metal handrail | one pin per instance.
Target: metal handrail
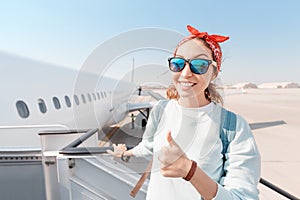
(82, 138)
(277, 189)
(73, 149)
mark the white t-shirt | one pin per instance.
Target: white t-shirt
(196, 131)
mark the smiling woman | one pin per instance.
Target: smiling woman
(199, 61)
(199, 149)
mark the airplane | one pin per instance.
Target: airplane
(38, 96)
(41, 99)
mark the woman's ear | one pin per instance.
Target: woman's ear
(215, 74)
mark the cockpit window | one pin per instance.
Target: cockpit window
(22, 109)
(42, 106)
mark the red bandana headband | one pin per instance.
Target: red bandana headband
(211, 40)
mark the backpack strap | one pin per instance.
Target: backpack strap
(227, 130)
(161, 107)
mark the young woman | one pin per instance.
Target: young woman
(184, 134)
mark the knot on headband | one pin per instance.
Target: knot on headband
(211, 40)
(205, 36)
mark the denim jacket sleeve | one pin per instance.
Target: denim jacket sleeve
(242, 166)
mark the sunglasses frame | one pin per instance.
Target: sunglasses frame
(189, 61)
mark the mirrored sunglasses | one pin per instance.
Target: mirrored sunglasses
(197, 66)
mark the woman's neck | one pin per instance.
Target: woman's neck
(193, 102)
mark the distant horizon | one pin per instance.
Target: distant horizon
(152, 80)
(277, 82)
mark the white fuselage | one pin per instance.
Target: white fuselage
(36, 96)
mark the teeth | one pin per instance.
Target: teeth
(186, 84)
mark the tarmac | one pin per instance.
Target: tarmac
(278, 144)
(276, 130)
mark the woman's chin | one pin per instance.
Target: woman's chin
(187, 93)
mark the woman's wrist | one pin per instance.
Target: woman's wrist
(186, 166)
(191, 171)
(125, 157)
(128, 152)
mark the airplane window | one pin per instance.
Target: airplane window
(102, 96)
(98, 95)
(83, 98)
(56, 103)
(42, 105)
(22, 109)
(76, 99)
(94, 96)
(68, 102)
(105, 94)
(89, 97)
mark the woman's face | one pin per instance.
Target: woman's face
(188, 84)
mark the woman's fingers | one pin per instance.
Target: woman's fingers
(117, 150)
(110, 152)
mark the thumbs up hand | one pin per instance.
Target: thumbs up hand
(174, 162)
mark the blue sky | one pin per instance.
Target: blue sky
(264, 35)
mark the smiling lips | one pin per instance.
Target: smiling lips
(186, 84)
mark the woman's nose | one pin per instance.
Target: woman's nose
(186, 72)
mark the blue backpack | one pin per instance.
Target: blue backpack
(227, 129)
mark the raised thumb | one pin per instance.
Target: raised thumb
(170, 139)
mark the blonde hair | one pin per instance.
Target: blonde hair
(172, 93)
(211, 94)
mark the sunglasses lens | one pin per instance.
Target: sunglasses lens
(199, 66)
(176, 64)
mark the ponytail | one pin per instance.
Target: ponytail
(212, 95)
(172, 93)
